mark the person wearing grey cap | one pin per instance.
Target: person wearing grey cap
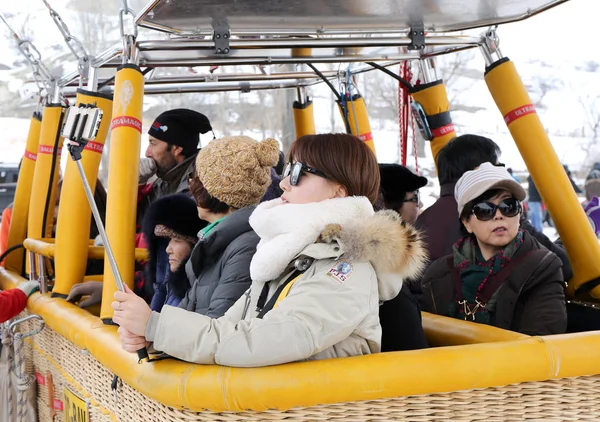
(497, 274)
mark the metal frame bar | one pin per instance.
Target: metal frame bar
(253, 52)
(232, 82)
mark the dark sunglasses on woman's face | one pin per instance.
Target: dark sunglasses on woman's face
(485, 211)
(297, 169)
(416, 198)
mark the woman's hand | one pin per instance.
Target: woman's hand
(131, 342)
(131, 311)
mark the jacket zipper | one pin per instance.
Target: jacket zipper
(246, 305)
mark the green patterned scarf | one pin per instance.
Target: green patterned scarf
(474, 273)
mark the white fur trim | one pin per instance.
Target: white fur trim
(286, 229)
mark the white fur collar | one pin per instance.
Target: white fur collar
(286, 229)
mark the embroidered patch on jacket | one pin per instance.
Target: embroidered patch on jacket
(341, 271)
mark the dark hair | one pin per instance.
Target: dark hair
(465, 153)
(204, 199)
(395, 204)
(592, 188)
(468, 209)
(343, 158)
(280, 164)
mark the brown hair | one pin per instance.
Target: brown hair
(203, 198)
(343, 158)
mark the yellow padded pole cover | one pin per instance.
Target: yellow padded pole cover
(124, 159)
(45, 175)
(18, 225)
(358, 119)
(73, 224)
(434, 100)
(545, 168)
(304, 119)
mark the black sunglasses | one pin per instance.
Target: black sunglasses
(297, 169)
(485, 211)
(416, 198)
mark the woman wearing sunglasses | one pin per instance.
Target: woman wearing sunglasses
(498, 274)
(324, 262)
(400, 191)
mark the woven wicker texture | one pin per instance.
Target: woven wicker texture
(572, 399)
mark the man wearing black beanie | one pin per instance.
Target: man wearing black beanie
(173, 145)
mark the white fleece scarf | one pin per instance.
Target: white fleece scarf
(286, 229)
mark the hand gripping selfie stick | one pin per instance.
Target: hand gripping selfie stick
(81, 126)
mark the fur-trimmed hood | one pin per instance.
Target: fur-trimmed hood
(394, 248)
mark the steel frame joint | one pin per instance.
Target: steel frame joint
(221, 36)
(417, 36)
(490, 46)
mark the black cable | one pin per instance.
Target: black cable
(335, 92)
(9, 250)
(404, 82)
(51, 181)
(337, 95)
(106, 82)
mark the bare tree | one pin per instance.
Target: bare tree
(590, 105)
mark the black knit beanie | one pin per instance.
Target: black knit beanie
(181, 127)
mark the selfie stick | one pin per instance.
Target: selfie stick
(75, 152)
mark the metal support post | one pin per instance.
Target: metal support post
(32, 270)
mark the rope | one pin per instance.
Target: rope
(409, 76)
(14, 346)
(25, 381)
(403, 113)
(7, 343)
(415, 151)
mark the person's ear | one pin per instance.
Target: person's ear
(340, 192)
(465, 222)
(177, 150)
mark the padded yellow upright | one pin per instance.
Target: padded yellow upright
(18, 225)
(304, 118)
(73, 224)
(358, 119)
(45, 175)
(545, 168)
(434, 100)
(123, 179)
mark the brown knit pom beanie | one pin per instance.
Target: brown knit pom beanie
(236, 169)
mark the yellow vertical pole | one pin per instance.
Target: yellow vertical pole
(73, 224)
(358, 119)
(434, 100)
(46, 174)
(18, 225)
(123, 180)
(304, 119)
(545, 168)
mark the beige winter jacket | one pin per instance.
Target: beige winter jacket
(332, 310)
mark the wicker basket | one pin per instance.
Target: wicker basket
(570, 399)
